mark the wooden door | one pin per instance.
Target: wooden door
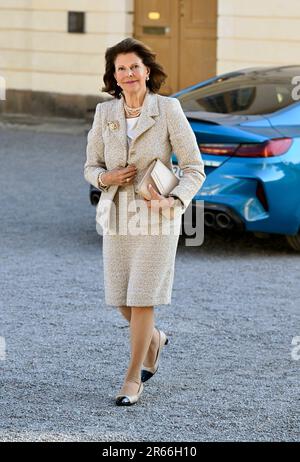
(183, 35)
(197, 44)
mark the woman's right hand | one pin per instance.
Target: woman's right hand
(119, 175)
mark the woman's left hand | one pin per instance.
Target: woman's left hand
(157, 201)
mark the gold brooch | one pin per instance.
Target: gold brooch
(114, 125)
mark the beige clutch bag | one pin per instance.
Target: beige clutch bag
(160, 177)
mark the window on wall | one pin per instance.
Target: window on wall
(76, 21)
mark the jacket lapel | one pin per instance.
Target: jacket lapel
(119, 116)
(150, 109)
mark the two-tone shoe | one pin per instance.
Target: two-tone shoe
(148, 372)
(128, 400)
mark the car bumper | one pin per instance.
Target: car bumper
(259, 195)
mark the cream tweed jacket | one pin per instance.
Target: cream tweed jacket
(162, 129)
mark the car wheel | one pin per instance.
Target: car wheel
(294, 241)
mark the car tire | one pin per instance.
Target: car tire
(294, 241)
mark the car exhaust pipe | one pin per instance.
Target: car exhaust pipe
(224, 221)
(209, 219)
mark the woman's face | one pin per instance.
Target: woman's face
(130, 73)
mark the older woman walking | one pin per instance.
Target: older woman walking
(129, 131)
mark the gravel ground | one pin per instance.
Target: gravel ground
(227, 373)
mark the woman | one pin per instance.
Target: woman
(136, 126)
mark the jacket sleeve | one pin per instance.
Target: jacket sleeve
(95, 163)
(185, 147)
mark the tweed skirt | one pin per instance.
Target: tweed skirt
(139, 269)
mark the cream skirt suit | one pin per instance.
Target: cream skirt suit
(139, 265)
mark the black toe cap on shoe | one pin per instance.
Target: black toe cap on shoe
(146, 375)
(124, 401)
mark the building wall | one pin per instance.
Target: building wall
(38, 54)
(257, 33)
(45, 67)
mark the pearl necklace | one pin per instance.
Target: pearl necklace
(132, 111)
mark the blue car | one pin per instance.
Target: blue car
(247, 124)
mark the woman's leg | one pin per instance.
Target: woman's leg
(152, 350)
(141, 332)
(126, 312)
